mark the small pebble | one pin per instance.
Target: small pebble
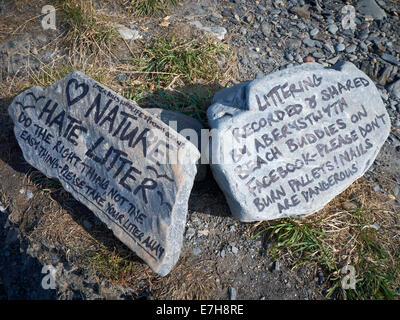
(349, 206)
(308, 59)
(235, 250)
(196, 251)
(232, 293)
(121, 77)
(320, 277)
(377, 189)
(289, 57)
(129, 34)
(340, 47)
(333, 60)
(318, 55)
(309, 42)
(351, 48)
(376, 226)
(276, 266)
(328, 46)
(396, 191)
(87, 225)
(266, 29)
(333, 28)
(2, 208)
(190, 233)
(314, 32)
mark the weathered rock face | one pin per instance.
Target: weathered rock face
(394, 89)
(127, 166)
(187, 127)
(288, 143)
(370, 8)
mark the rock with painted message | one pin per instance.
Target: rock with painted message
(287, 144)
(186, 126)
(127, 166)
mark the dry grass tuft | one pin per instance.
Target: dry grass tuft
(148, 7)
(120, 265)
(87, 31)
(345, 233)
(170, 62)
(56, 225)
(187, 281)
(49, 74)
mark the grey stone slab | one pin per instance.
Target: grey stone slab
(372, 9)
(287, 144)
(129, 34)
(124, 164)
(333, 28)
(390, 58)
(186, 126)
(340, 47)
(394, 89)
(216, 31)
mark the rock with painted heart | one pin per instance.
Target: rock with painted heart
(287, 144)
(124, 164)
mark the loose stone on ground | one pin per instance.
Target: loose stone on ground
(288, 143)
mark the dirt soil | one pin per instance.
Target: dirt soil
(41, 225)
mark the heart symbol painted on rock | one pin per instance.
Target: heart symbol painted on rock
(29, 101)
(83, 87)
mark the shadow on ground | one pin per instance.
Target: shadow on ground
(20, 274)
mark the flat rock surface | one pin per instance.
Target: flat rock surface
(288, 143)
(127, 166)
(372, 9)
(186, 126)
